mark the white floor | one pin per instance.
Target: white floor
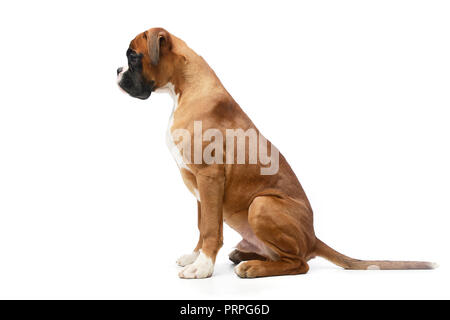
(324, 281)
(120, 272)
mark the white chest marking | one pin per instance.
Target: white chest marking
(170, 89)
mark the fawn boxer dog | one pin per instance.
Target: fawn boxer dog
(268, 209)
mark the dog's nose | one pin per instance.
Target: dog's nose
(119, 70)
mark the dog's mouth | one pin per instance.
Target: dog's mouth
(143, 97)
(132, 93)
(134, 85)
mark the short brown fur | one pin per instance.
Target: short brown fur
(273, 209)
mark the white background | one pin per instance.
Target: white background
(355, 94)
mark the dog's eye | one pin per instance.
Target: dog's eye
(134, 59)
(133, 55)
(133, 64)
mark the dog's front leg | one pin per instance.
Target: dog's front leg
(210, 184)
(189, 258)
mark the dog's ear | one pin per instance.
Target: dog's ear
(158, 42)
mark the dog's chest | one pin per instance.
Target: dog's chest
(186, 173)
(176, 154)
(169, 137)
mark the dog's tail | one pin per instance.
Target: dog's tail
(324, 251)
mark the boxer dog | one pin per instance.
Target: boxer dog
(268, 209)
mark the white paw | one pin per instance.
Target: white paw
(202, 267)
(186, 259)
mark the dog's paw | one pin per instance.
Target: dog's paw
(244, 270)
(186, 259)
(202, 267)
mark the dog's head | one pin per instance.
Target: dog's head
(151, 63)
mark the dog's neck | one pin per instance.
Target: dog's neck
(169, 88)
(192, 75)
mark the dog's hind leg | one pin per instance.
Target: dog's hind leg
(256, 268)
(284, 226)
(237, 256)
